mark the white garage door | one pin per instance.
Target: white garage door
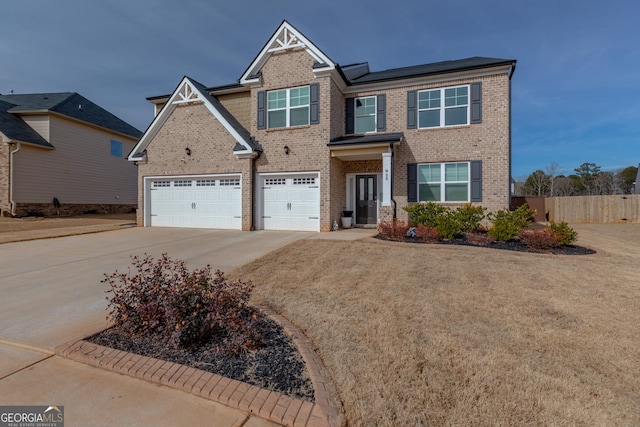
(291, 202)
(203, 202)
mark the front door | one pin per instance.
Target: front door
(366, 199)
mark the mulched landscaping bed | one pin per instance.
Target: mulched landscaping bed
(276, 366)
(513, 245)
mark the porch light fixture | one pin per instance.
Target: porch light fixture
(188, 151)
(286, 150)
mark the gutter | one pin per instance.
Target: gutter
(13, 203)
(395, 206)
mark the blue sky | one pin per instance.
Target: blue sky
(576, 89)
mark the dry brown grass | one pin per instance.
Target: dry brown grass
(441, 335)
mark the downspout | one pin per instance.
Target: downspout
(395, 206)
(513, 70)
(13, 203)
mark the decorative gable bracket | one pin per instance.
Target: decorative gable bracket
(286, 37)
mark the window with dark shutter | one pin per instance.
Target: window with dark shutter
(412, 182)
(314, 103)
(262, 101)
(381, 107)
(412, 110)
(476, 102)
(476, 180)
(349, 116)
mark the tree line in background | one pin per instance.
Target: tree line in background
(588, 180)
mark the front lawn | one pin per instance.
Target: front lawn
(459, 335)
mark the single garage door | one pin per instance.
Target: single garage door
(202, 202)
(291, 202)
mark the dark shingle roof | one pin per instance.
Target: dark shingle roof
(367, 139)
(16, 129)
(444, 67)
(72, 105)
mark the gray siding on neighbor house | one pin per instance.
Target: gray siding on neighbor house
(80, 169)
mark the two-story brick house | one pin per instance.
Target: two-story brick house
(299, 138)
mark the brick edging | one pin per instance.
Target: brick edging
(261, 402)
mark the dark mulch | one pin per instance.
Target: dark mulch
(276, 366)
(513, 245)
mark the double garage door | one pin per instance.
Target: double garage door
(285, 202)
(203, 202)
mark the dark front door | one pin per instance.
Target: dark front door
(366, 199)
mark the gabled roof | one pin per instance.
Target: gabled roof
(13, 128)
(286, 37)
(188, 91)
(444, 67)
(72, 105)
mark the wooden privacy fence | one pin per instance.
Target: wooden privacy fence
(595, 209)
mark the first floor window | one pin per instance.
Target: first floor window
(443, 182)
(288, 107)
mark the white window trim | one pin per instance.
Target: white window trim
(443, 108)
(375, 114)
(288, 107)
(443, 183)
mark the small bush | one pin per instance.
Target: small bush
(449, 226)
(393, 230)
(183, 308)
(507, 224)
(538, 240)
(470, 217)
(563, 233)
(427, 234)
(425, 213)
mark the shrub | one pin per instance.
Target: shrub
(427, 234)
(183, 308)
(563, 233)
(470, 217)
(538, 240)
(425, 213)
(393, 230)
(507, 224)
(448, 225)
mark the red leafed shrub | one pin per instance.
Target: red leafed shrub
(393, 230)
(183, 308)
(427, 234)
(539, 240)
(480, 239)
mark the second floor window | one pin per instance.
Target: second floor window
(365, 114)
(288, 107)
(443, 107)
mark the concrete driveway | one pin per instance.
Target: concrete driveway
(50, 293)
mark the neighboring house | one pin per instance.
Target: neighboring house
(299, 139)
(62, 154)
(637, 183)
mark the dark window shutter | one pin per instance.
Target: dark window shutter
(262, 113)
(412, 109)
(349, 116)
(476, 181)
(476, 102)
(381, 107)
(314, 103)
(412, 182)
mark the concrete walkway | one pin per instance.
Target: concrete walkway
(50, 294)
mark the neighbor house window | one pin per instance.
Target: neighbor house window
(116, 148)
(443, 107)
(365, 114)
(443, 182)
(288, 107)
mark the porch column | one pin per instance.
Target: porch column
(387, 173)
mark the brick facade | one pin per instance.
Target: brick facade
(193, 125)
(5, 203)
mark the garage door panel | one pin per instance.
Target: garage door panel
(291, 202)
(201, 202)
